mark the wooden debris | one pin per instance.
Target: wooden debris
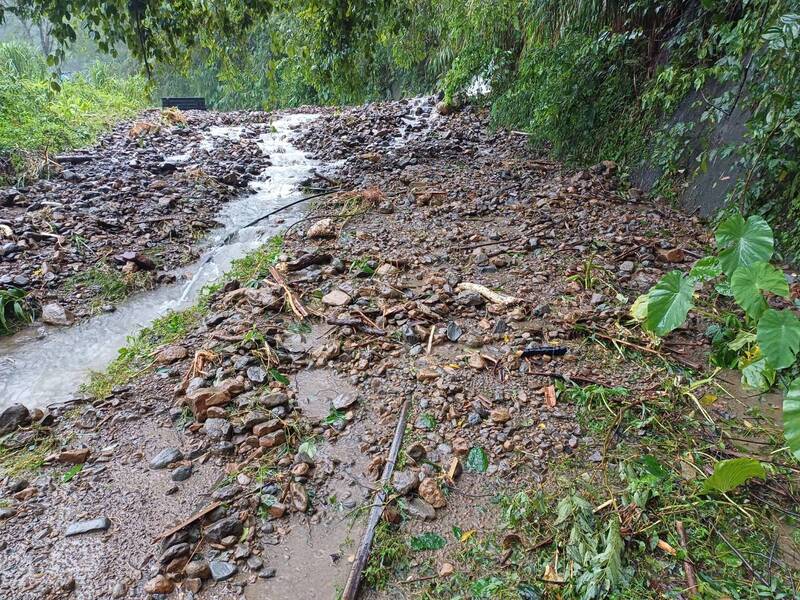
(354, 579)
(491, 296)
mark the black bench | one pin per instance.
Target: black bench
(184, 103)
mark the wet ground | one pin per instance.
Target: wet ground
(457, 268)
(44, 364)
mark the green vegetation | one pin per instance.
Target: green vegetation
(14, 309)
(593, 532)
(137, 356)
(110, 283)
(390, 553)
(764, 342)
(29, 458)
(37, 122)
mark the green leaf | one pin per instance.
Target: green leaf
(428, 421)
(309, 448)
(427, 541)
(747, 283)
(791, 417)
(477, 460)
(670, 300)
(487, 587)
(723, 288)
(778, 335)
(71, 472)
(743, 243)
(706, 269)
(730, 474)
(653, 466)
(278, 376)
(758, 375)
(639, 308)
(742, 339)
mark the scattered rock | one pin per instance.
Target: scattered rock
(165, 458)
(182, 473)
(171, 354)
(336, 298)
(417, 508)
(321, 229)
(405, 482)
(13, 417)
(430, 491)
(81, 527)
(198, 569)
(221, 570)
(159, 585)
(55, 314)
(74, 457)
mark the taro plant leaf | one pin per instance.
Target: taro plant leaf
(427, 541)
(477, 460)
(742, 339)
(723, 288)
(747, 283)
(758, 375)
(743, 243)
(706, 269)
(730, 474)
(778, 336)
(639, 308)
(791, 417)
(670, 300)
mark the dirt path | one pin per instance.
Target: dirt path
(457, 268)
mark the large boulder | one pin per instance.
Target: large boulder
(13, 417)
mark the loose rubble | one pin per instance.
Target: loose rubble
(126, 210)
(451, 269)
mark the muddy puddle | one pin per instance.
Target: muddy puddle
(316, 552)
(42, 366)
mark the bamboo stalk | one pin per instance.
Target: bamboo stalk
(354, 579)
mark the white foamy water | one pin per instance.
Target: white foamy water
(39, 367)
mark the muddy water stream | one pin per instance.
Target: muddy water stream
(43, 366)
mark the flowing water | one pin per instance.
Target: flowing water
(43, 366)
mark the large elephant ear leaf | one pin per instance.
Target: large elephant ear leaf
(778, 336)
(743, 243)
(791, 417)
(670, 300)
(748, 283)
(730, 474)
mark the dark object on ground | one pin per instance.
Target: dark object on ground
(531, 350)
(184, 103)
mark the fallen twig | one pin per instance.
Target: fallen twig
(482, 244)
(357, 324)
(683, 361)
(688, 566)
(741, 557)
(198, 515)
(294, 303)
(490, 295)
